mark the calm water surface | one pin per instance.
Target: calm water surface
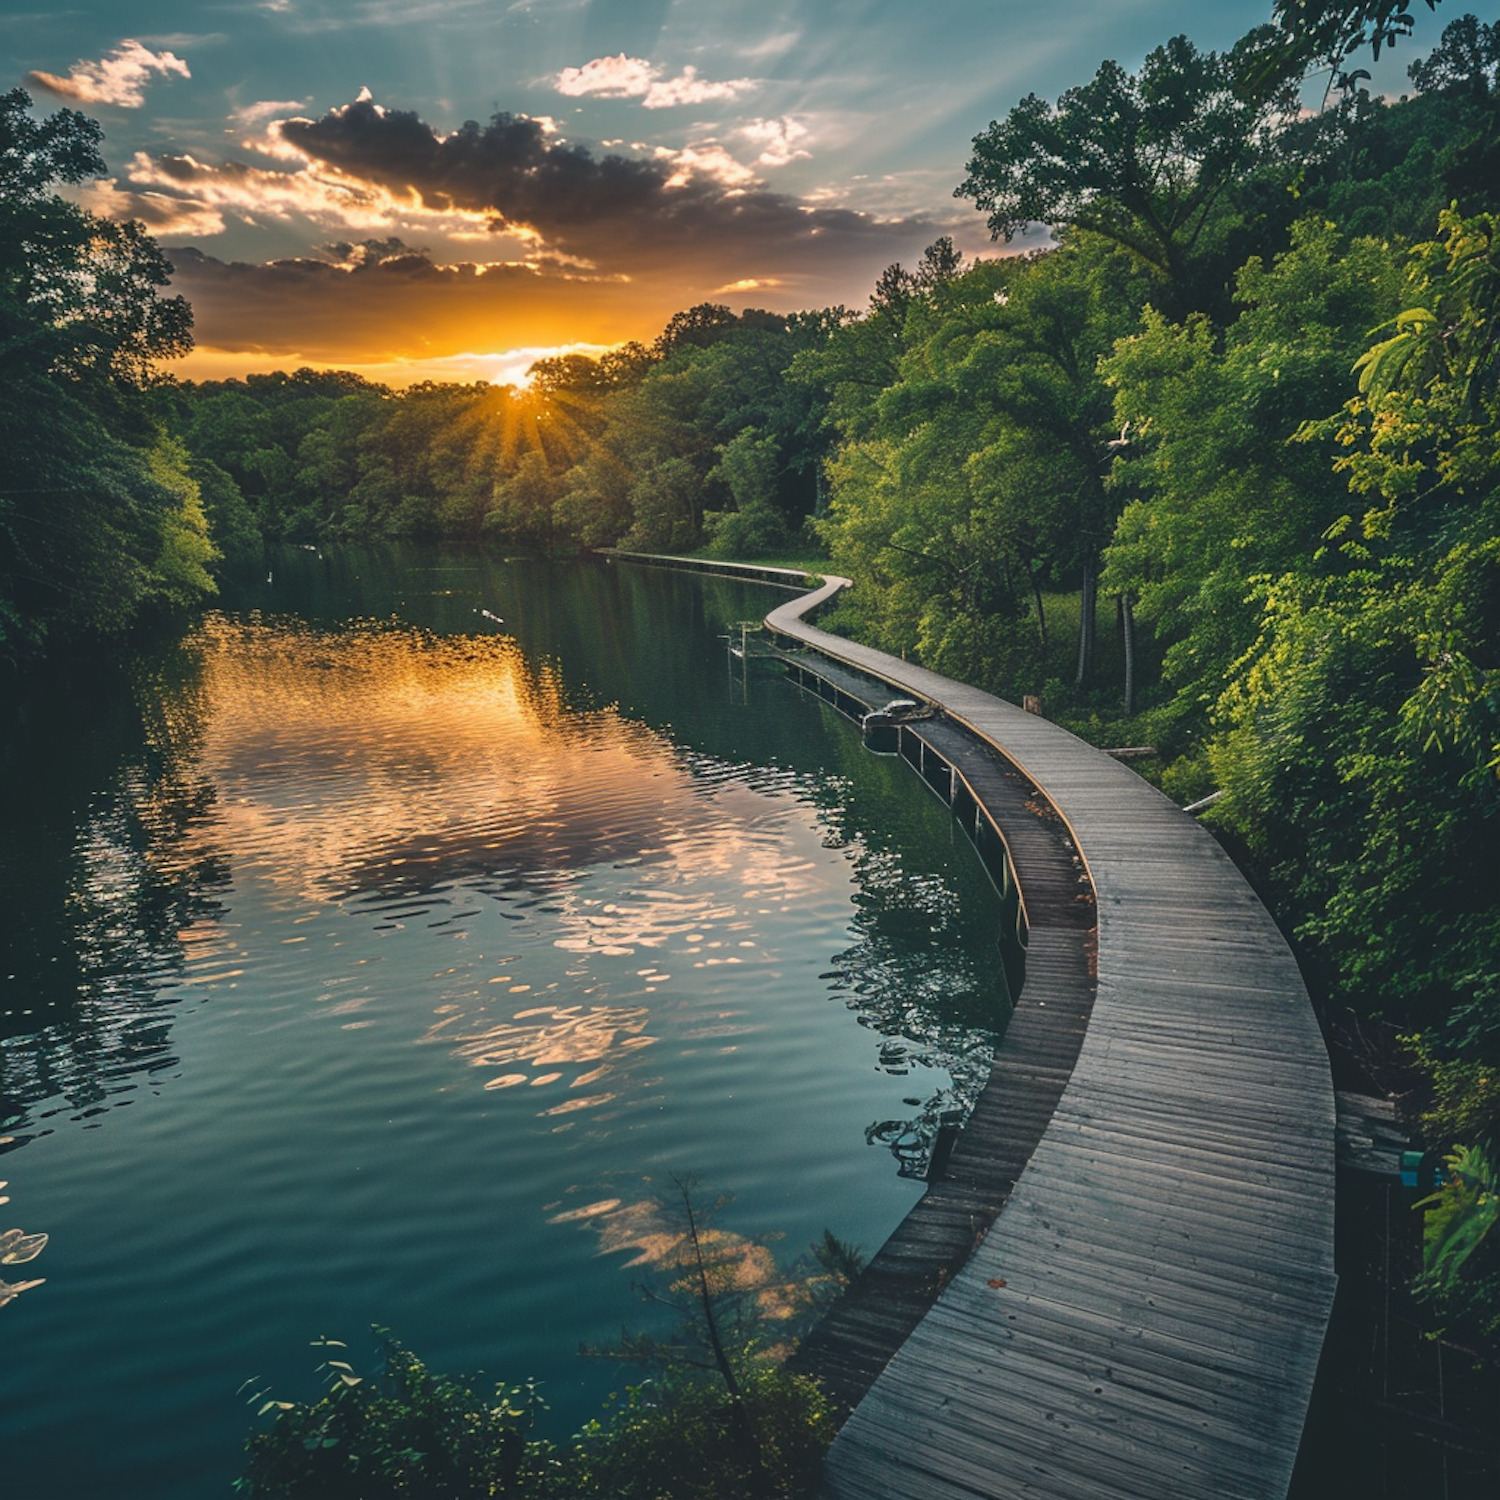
(365, 959)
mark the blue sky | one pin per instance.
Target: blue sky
(789, 151)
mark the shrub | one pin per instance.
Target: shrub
(409, 1433)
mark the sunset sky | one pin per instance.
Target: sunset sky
(312, 168)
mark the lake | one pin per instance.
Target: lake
(380, 951)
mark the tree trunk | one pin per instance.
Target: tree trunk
(1036, 595)
(745, 1428)
(1086, 627)
(1127, 621)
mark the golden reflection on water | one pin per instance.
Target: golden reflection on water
(17, 1248)
(382, 759)
(385, 758)
(551, 1037)
(382, 769)
(655, 1235)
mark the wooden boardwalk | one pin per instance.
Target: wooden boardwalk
(1048, 896)
(1144, 1316)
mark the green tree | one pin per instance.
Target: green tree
(722, 1419)
(1148, 161)
(522, 507)
(748, 466)
(856, 358)
(977, 478)
(674, 1438)
(1315, 31)
(99, 521)
(1221, 495)
(1361, 742)
(79, 293)
(1465, 59)
(181, 566)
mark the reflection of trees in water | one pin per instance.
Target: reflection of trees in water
(98, 887)
(924, 972)
(101, 891)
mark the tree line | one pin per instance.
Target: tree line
(697, 435)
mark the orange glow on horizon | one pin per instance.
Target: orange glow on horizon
(508, 367)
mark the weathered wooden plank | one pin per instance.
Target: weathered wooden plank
(1029, 1072)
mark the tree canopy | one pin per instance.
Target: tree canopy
(100, 519)
(1144, 160)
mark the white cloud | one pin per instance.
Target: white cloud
(776, 45)
(324, 196)
(607, 78)
(622, 77)
(265, 109)
(118, 78)
(688, 88)
(707, 159)
(777, 140)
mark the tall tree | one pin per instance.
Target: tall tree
(98, 521)
(1220, 493)
(1145, 160)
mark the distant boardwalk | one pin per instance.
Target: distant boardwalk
(1144, 1316)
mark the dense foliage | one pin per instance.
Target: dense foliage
(100, 519)
(721, 1417)
(408, 1433)
(654, 448)
(1254, 396)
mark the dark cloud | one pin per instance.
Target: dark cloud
(614, 245)
(372, 307)
(620, 212)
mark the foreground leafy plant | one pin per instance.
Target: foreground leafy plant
(679, 1437)
(1460, 1266)
(407, 1432)
(721, 1419)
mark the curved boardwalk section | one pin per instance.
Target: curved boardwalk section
(1144, 1316)
(1048, 897)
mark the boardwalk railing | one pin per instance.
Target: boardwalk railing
(1144, 1316)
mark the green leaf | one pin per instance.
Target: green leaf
(1459, 1215)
